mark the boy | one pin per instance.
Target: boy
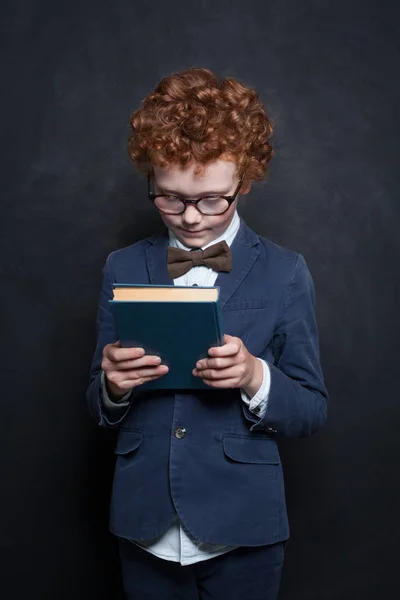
(198, 498)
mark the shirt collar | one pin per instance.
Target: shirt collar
(228, 236)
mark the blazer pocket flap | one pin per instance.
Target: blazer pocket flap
(128, 441)
(246, 305)
(251, 450)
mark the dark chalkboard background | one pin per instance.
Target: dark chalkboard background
(72, 73)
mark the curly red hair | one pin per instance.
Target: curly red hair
(191, 117)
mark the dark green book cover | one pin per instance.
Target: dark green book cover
(179, 332)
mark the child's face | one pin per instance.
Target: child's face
(191, 227)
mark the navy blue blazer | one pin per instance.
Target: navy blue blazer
(224, 477)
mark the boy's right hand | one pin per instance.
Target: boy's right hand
(126, 368)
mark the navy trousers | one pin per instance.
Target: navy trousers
(247, 573)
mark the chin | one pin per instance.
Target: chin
(194, 242)
(194, 239)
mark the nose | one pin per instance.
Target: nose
(191, 216)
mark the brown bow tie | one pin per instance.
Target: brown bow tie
(218, 257)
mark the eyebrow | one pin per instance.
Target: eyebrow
(212, 193)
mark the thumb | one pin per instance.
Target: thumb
(232, 338)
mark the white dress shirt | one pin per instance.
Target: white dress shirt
(177, 544)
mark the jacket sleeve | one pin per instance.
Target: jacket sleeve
(105, 414)
(297, 401)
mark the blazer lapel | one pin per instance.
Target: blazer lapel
(156, 258)
(244, 254)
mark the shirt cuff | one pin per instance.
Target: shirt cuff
(107, 402)
(258, 403)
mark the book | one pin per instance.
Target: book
(179, 324)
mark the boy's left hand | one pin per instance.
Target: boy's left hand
(231, 366)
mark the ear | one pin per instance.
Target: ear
(246, 187)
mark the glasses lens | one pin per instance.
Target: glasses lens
(169, 205)
(213, 205)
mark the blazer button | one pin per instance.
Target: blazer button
(180, 433)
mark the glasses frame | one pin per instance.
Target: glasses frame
(230, 199)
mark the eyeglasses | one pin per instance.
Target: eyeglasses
(207, 205)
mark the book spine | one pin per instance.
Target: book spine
(218, 322)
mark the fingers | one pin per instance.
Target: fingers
(145, 361)
(125, 380)
(220, 357)
(226, 365)
(117, 358)
(235, 372)
(126, 368)
(146, 379)
(230, 338)
(115, 353)
(232, 347)
(216, 363)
